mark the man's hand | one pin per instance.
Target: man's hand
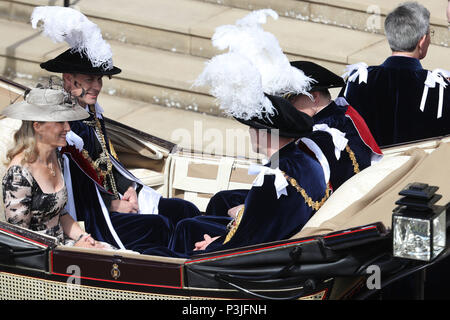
(201, 245)
(234, 211)
(131, 196)
(128, 203)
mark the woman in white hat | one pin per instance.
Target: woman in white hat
(34, 192)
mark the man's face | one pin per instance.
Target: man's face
(424, 45)
(302, 102)
(91, 84)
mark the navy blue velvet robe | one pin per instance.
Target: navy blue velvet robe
(266, 218)
(137, 232)
(360, 141)
(390, 102)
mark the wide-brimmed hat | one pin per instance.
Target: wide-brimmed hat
(324, 78)
(42, 104)
(89, 53)
(236, 84)
(286, 119)
(71, 61)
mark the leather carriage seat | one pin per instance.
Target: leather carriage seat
(370, 195)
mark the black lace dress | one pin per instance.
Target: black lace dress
(26, 205)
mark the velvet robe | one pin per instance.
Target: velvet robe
(360, 141)
(266, 217)
(390, 102)
(137, 232)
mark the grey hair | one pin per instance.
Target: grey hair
(406, 25)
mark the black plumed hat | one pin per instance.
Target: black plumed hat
(325, 79)
(71, 61)
(290, 122)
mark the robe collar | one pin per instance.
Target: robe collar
(286, 149)
(331, 109)
(402, 62)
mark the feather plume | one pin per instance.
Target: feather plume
(248, 38)
(66, 24)
(236, 84)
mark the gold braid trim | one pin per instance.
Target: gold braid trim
(308, 200)
(351, 154)
(234, 224)
(104, 156)
(113, 151)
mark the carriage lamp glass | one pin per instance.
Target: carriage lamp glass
(419, 228)
(419, 238)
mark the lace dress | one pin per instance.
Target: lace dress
(26, 205)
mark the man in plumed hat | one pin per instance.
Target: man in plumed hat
(286, 191)
(339, 131)
(341, 140)
(399, 99)
(116, 207)
(285, 194)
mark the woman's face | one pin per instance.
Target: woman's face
(52, 133)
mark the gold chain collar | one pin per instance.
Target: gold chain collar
(315, 205)
(103, 157)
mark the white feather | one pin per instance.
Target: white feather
(248, 38)
(66, 24)
(236, 84)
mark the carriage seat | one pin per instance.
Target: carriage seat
(370, 196)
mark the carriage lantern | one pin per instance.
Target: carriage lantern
(418, 225)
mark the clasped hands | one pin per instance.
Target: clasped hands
(128, 203)
(86, 241)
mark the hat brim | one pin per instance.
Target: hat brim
(255, 124)
(285, 119)
(324, 78)
(31, 112)
(61, 67)
(75, 62)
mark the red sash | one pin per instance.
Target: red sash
(363, 130)
(83, 163)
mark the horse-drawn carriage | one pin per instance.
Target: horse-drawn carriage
(345, 251)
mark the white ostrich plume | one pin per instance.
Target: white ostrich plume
(66, 24)
(236, 84)
(248, 38)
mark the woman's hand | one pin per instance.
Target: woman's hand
(86, 241)
(201, 245)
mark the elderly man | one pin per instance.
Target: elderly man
(399, 100)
